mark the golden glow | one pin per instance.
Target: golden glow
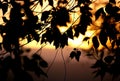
(77, 42)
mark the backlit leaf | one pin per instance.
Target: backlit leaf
(77, 56)
(50, 2)
(72, 54)
(95, 42)
(98, 13)
(45, 15)
(4, 8)
(103, 38)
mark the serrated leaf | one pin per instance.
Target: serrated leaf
(61, 16)
(95, 42)
(4, 8)
(77, 56)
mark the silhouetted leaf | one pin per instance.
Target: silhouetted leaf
(95, 42)
(70, 33)
(72, 54)
(41, 2)
(76, 31)
(110, 9)
(86, 38)
(77, 56)
(63, 40)
(61, 16)
(50, 2)
(99, 12)
(45, 15)
(4, 8)
(103, 38)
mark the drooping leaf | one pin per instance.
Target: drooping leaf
(70, 33)
(41, 2)
(76, 31)
(4, 8)
(77, 56)
(99, 12)
(63, 40)
(103, 38)
(61, 16)
(72, 54)
(47, 36)
(95, 42)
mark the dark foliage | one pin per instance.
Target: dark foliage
(31, 28)
(75, 54)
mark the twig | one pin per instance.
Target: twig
(64, 65)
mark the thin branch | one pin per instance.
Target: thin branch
(65, 68)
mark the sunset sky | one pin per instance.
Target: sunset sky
(76, 71)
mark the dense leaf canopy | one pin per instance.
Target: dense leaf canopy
(23, 23)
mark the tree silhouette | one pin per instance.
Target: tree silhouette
(24, 24)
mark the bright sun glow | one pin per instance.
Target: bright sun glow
(77, 42)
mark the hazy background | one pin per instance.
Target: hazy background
(75, 71)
